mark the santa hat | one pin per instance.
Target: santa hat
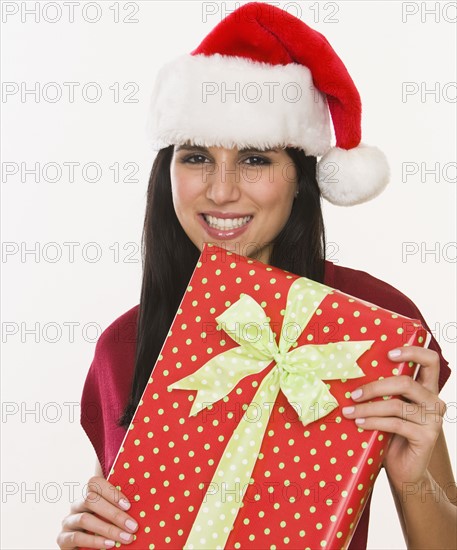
(262, 78)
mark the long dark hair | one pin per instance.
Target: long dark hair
(170, 257)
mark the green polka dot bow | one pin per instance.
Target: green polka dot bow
(298, 373)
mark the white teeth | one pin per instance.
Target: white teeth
(225, 224)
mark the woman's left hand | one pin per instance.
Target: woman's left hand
(415, 424)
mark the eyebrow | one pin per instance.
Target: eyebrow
(245, 150)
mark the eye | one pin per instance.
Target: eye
(194, 159)
(257, 160)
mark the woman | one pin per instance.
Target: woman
(230, 161)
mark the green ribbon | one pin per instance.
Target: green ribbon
(298, 373)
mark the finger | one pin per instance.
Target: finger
(427, 358)
(398, 385)
(411, 412)
(105, 500)
(78, 539)
(85, 521)
(98, 489)
(100, 486)
(109, 512)
(414, 433)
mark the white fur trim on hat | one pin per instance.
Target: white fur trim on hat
(353, 176)
(229, 101)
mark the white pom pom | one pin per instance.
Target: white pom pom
(353, 176)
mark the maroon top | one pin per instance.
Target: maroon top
(108, 383)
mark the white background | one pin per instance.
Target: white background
(381, 52)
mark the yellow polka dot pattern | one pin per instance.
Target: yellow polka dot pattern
(309, 484)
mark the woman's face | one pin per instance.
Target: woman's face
(237, 199)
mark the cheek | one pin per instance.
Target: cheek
(280, 205)
(176, 179)
(183, 192)
(279, 183)
(277, 196)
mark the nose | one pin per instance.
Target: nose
(223, 183)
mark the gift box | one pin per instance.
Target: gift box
(239, 440)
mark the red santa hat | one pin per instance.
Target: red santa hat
(262, 78)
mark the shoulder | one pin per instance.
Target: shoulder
(113, 363)
(114, 357)
(367, 287)
(120, 335)
(107, 386)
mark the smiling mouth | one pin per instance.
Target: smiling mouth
(224, 224)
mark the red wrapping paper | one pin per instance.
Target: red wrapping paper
(310, 483)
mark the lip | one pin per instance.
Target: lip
(224, 215)
(220, 234)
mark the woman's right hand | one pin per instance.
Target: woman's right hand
(103, 499)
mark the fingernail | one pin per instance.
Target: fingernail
(125, 536)
(131, 524)
(109, 543)
(394, 353)
(356, 393)
(348, 410)
(360, 420)
(125, 504)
